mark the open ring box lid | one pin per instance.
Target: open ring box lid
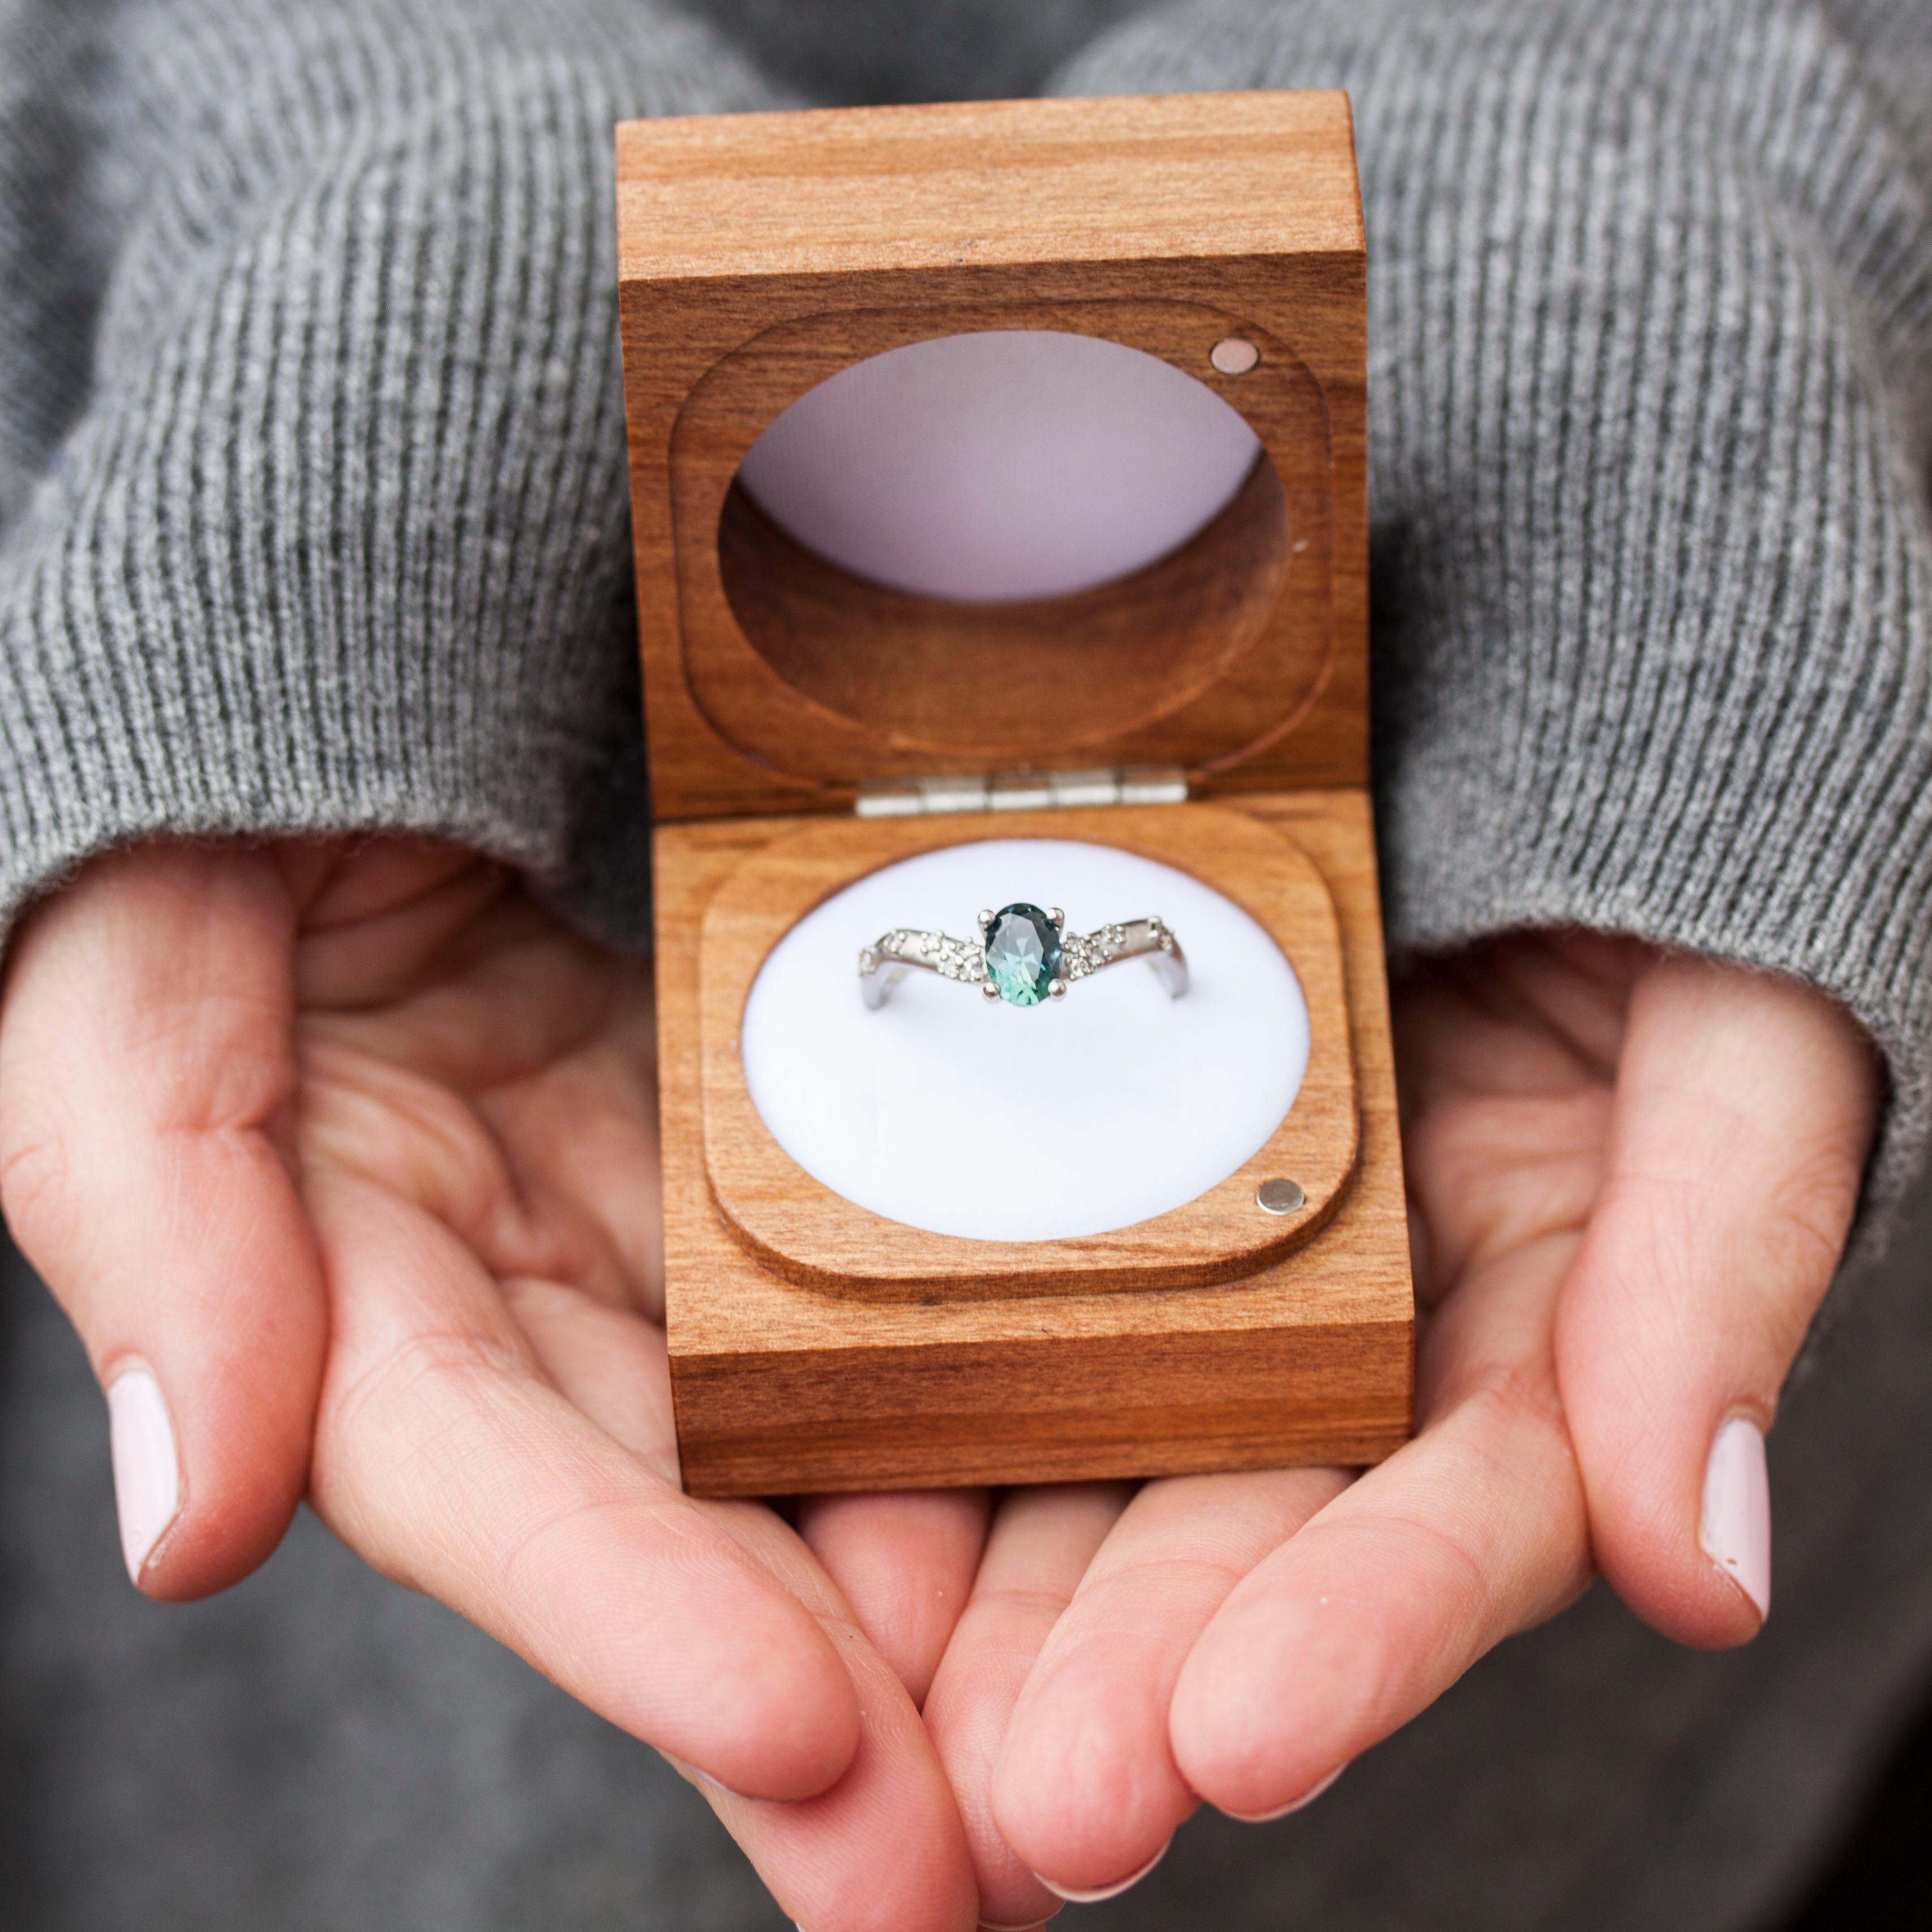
(807, 726)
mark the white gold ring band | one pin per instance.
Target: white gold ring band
(1024, 955)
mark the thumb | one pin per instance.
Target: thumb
(1744, 1108)
(146, 1061)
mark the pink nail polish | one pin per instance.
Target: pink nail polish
(147, 1468)
(1106, 1892)
(1735, 1532)
(1294, 1804)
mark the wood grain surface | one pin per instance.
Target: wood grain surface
(800, 1229)
(870, 190)
(981, 686)
(760, 254)
(815, 1347)
(780, 1386)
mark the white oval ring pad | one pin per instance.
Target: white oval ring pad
(965, 1116)
(1011, 463)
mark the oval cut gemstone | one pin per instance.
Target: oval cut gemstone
(1022, 954)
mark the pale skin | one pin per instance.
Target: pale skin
(353, 1146)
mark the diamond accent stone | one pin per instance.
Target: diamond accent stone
(1086, 953)
(952, 959)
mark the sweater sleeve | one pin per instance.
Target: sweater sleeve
(312, 496)
(1651, 394)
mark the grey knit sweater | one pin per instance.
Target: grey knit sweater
(312, 506)
(312, 515)
(1651, 389)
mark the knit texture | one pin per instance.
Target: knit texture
(312, 504)
(1650, 397)
(313, 508)
(311, 514)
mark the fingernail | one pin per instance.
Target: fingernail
(1294, 1804)
(147, 1471)
(1735, 1532)
(703, 1779)
(1106, 1892)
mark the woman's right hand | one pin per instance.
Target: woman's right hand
(342, 1156)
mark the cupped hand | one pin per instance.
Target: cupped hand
(342, 1158)
(1631, 1174)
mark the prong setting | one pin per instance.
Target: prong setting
(1023, 955)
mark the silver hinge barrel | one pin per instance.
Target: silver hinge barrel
(1024, 791)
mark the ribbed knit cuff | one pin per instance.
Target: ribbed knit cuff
(334, 532)
(1650, 383)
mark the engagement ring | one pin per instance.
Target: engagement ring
(1024, 955)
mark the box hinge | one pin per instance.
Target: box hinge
(1024, 791)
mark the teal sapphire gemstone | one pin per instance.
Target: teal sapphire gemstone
(1022, 954)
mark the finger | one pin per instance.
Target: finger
(376, 913)
(446, 1457)
(884, 1846)
(1744, 1110)
(1475, 1530)
(145, 1071)
(904, 1562)
(520, 994)
(1506, 1086)
(883, 1850)
(1039, 1545)
(1086, 1790)
(531, 1066)
(584, 1135)
(610, 1362)
(363, 1112)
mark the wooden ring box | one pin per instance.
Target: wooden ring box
(806, 727)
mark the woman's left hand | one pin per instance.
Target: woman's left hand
(1631, 1175)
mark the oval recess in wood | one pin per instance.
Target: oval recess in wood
(802, 1231)
(1195, 660)
(1109, 657)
